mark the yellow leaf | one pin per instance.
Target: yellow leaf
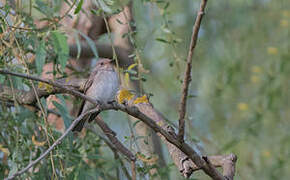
(4, 150)
(256, 69)
(36, 143)
(47, 87)
(243, 106)
(255, 79)
(266, 153)
(124, 95)
(286, 13)
(127, 76)
(127, 79)
(132, 66)
(272, 50)
(145, 159)
(284, 23)
(142, 99)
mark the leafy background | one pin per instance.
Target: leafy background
(239, 96)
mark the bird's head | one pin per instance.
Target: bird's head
(105, 64)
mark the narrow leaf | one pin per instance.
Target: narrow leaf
(79, 7)
(78, 44)
(162, 40)
(91, 44)
(61, 48)
(40, 57)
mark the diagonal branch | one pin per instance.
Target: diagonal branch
(170, 136)
(187, 74)
(113, 148)
(112, 137)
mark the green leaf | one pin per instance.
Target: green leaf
(166, 5)
(91, 44)
(78, 44)
(2, 79)
(162, 40)
(79, 7)
(102, 4)
(131, 72)
(61, 48)
(40, 57)
(64, 113)
(13, 168)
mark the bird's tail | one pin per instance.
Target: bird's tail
(80, 125)
(82, 122)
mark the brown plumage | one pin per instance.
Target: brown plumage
(102, 85)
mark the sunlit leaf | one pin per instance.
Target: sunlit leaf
(4, 150)
(37, 143)
(145, 159)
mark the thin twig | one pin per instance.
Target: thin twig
(133, 168)
(50, 82)
(184, 147)
(112, 137)
(135, 47)
(24, 59)
(111, 39)
(187, 74)
(113, 148)
(57, 142)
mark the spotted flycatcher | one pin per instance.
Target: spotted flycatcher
(102, 86)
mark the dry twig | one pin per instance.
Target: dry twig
(187, 73)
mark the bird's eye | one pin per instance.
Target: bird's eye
(102, 64)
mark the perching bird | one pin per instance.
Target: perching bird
(102, 86)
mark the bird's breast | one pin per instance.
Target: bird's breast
(105, 85)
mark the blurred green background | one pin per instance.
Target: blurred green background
(239, 94)
(241, 77)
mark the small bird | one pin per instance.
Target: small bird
(102, 85)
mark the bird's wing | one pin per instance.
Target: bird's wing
(90, 81)
(87, 86)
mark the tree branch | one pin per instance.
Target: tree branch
(57, 142)
(113, 148)
(169, 135)
(146, 113)
(187, 74)
(53, 83)
(112, 137)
